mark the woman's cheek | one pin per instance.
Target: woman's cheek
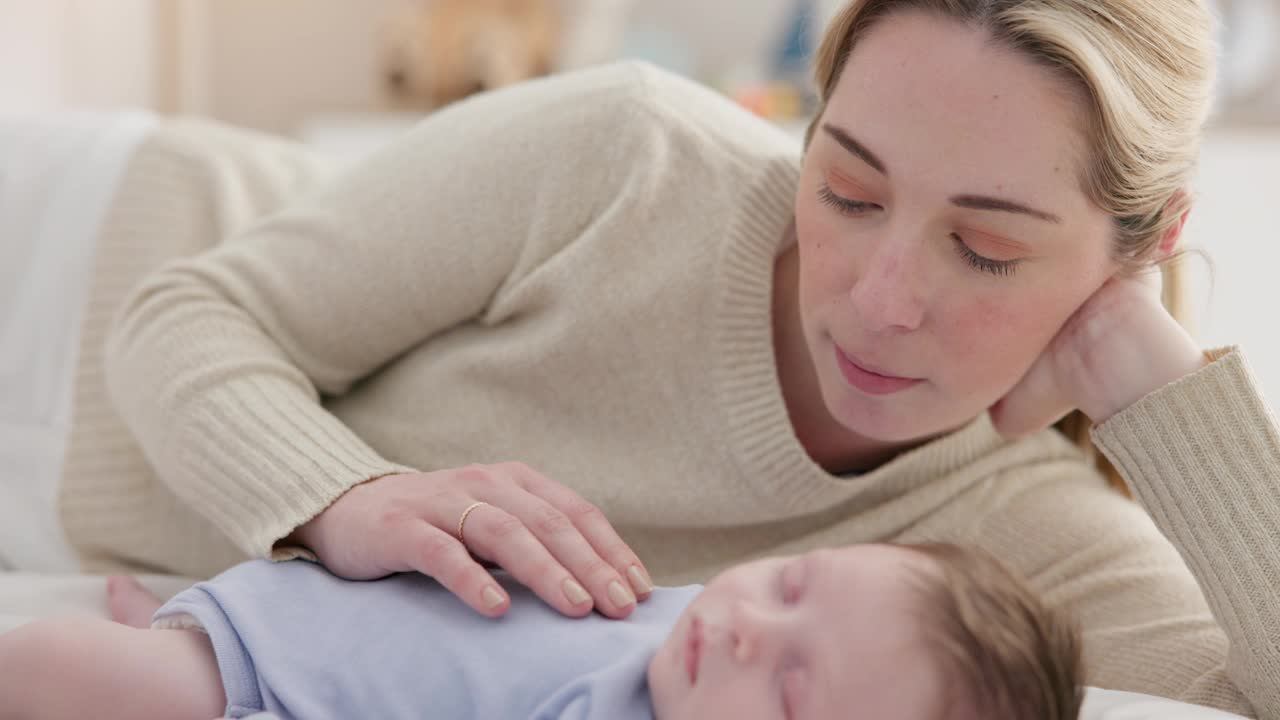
(992, 338)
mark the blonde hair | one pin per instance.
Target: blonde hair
(1004, 653)
(1146, 70)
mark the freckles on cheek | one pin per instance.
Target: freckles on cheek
(989, 332)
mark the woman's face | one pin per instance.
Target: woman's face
(943, 233)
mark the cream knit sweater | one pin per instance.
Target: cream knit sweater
(576, 274)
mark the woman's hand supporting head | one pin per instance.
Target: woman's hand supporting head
(1119, 346)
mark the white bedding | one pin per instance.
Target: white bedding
(27, 596)
(57, 175)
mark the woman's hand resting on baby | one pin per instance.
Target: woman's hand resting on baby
(1119, 346)
(541, 532)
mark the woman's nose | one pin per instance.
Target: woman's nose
(887, 294)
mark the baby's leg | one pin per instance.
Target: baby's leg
(81, 668)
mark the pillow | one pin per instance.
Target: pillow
(1100, 704)
(58, 175)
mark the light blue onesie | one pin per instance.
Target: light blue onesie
(294, 640)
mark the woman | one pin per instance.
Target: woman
(609, 317)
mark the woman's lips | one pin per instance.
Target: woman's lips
(869, 381)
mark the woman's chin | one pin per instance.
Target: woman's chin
(901, 420)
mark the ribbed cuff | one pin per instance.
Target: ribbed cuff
(1202, 455)
(1207, 436)
(264, 457)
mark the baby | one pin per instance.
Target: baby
(870, 631)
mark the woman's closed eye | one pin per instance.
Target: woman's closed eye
(1000, 268)
(844, 205)
(981, 263)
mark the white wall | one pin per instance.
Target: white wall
(57, 54)
(30, 55)
(1234, 221)
(109, 53)
(269, 64)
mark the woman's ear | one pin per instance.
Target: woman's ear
(1180, 203)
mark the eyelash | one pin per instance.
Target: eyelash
(788, 697)
(853, 208)
(999, 268)
(790, 594)
(843, 205)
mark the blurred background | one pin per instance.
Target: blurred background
(347, 75)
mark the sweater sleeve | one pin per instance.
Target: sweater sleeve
(1202, 456)
(1174, 593)
(219, 363)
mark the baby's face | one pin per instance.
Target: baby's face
(828, 634)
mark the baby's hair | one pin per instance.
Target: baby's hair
(1005, 653)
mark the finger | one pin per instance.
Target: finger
(431, 551)
(594, 527)
(610, 590)
(494, 534)
(1034, 404)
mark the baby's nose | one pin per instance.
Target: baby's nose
(753, 633)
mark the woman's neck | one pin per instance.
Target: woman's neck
(831, 445)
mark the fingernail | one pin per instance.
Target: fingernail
(640, 581)
(492, 598)
(620, 596)
(575, 592)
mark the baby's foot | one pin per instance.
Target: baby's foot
(130, 603)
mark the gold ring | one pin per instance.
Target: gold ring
(463, 520)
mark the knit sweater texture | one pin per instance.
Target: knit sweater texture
(576, 274)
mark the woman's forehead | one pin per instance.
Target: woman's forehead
(923, 91)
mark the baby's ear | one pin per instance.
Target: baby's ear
(1181, 204)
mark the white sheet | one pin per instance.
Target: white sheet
(1115, 705)
(27, 596)
(57, 176)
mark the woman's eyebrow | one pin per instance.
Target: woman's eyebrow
(980, 202)
(855, 148)
(974, 202)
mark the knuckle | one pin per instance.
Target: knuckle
(552, 522)
(464, 578)
(472, 474)
(619, 554)
(598, 571)
(546, 569)
(504, 527)
(580, 510)
(394, 516)
(519, 474)
(516, 468)
(436, 550)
